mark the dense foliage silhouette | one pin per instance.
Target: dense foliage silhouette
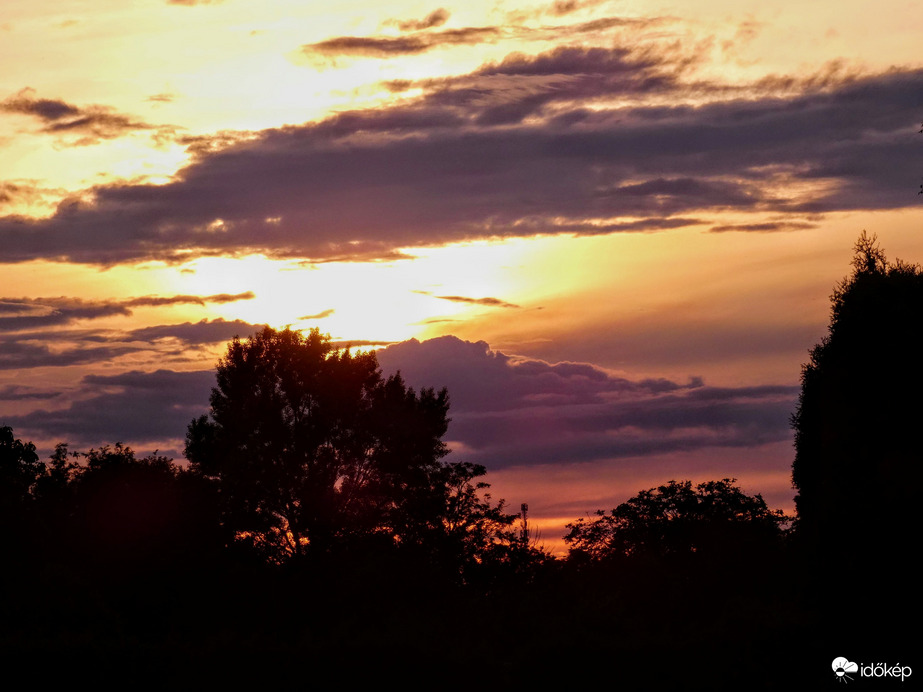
(677, 519)
(20, 468)
(857, 425)
(314, 451)
(127, 573)
(858, 457)
(104, 509)
(130, 514)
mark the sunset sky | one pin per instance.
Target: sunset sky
(611, 229)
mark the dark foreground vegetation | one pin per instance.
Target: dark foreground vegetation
(318, 537)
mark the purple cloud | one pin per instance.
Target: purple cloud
(28, 313)
(513, 411)
(134, 407)
(506, 411)
(463, 162)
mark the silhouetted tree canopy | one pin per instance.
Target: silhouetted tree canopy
(678, 519)
(129, 511)
(103, 510)
(313, 449)
(19, 469)
(857, 425)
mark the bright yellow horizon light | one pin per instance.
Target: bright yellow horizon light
(382, 301)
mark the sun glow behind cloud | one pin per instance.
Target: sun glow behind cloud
(366, 301)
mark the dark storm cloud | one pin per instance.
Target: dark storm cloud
(489, 302)
(134, 407)
(511, 150)
(28, 313)
(90, 124)
(511, 411)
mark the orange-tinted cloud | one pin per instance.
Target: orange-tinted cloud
(488, 301)
(437, 17)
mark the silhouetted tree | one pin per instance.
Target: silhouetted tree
(312, 449)
(20, 469)
(457, 525)
(140, 509)
(677, 519)
(858, 450)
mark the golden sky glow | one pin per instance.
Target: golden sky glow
(659, 191)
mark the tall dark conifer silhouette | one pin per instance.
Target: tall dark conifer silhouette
(858, 423)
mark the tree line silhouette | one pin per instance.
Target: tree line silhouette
(318, 532)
